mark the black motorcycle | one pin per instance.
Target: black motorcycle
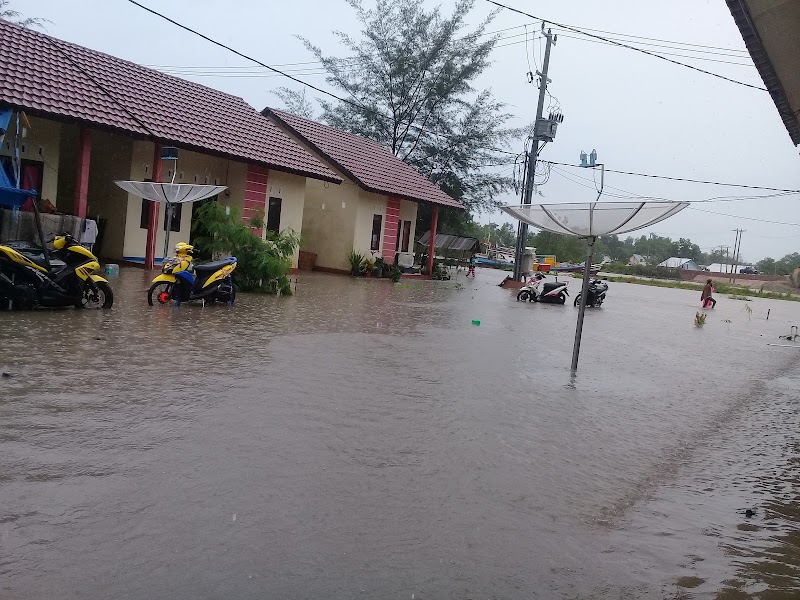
(595, 295)
(29, 277)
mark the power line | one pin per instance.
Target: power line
(671, 44)
(622, 45)
(315, 67)
(239, 71)
(661, 54)
(54, 43)
(633, 196)
(684, 179)
(295, 79)
(745, 218)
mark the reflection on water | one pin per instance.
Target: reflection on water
(364, 439)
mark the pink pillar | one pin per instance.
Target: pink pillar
(255, 195)
(391, 229)
(432, 242)
(82, 176)
(152, 222)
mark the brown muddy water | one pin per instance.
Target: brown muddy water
(365, 440)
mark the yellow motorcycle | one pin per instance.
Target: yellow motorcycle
(182, 281)
(29, 278)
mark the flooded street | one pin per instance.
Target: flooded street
(365, 440)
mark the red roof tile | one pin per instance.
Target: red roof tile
(367, 162)
(50, 77)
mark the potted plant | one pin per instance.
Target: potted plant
(306, 260)
(368, 266)
(395, 273)
(355, 259)
(379, 267)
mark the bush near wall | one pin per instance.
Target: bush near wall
(263, 265)
(643, 271)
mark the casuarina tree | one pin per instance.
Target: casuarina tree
(15, 16)
(409, 81)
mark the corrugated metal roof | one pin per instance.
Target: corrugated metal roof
(675, 262)
(50, 77)
(752, 39)
(446, 241)
(365, 161)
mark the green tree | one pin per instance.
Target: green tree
(410, 76)
(263, 265)
(16, 17)
(784, 266)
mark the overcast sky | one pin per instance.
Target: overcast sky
(640, 113)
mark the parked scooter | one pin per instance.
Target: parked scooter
(535, 290)
(28, 278)
(596, 294)
(182, 281)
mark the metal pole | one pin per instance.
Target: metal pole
(736, 247)
(169, 228)
(727, 260)
(522, 237)
(576, 348)
(432, 240)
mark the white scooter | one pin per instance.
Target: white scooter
(553, 292)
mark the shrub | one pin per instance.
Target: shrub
(643, 270)
(355, 259)
(263, 265)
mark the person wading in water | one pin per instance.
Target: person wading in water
(706, 296)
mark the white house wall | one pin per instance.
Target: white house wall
(329, 220)
(192, 167)
(291, 189)
(369, 204)
(110, 160)
(408, 212)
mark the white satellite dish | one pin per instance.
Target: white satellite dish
(591, 220)
(169, 194)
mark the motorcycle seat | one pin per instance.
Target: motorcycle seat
(549, 287)
(214, 265)
(55, 264)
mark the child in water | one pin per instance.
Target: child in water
(706, 296)
(471, 270)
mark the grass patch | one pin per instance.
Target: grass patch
(699, 319)
(721, 288)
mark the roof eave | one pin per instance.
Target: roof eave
(413, 199)
(271, 114)
(752, 40)
(69, 120)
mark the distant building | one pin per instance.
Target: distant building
(675, 262)
(721, 268)
(637, 260)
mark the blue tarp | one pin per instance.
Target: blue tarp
(10, 194)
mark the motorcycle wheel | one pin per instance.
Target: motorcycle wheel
(577, 300)
(524, 296)
(104, 298)
(159, 293)
(562, 298)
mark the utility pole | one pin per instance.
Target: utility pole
(717, 250)
(737, 246)
(530, 162)
(727, 259)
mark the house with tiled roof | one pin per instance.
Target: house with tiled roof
(95, 118)
(375, 208)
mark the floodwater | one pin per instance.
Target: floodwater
(366, 440)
